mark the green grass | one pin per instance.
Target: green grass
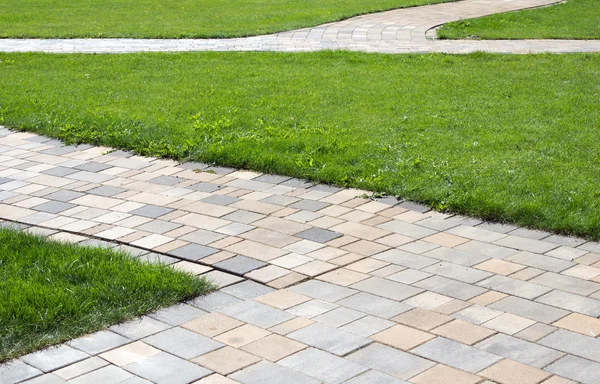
(176, 19)
(574, 19)
(513, 138)
(51, 292)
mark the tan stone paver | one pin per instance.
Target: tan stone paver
(402, 337)
(512, 372)
(212, 324)
(463, 332)
(282, 299)
(422, 319)
(226, 360)
(241, 336)
(274, 347)
(583, 324)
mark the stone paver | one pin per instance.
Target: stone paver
(358, 301)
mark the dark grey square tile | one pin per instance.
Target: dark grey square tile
(319, 235)
(240, 264)
(193, 252)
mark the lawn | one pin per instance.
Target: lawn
(177, 19)
(513, 138)
(51, 292)
(573, 19)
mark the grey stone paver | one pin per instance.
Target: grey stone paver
(448, 287)
(519, 350)
(319, 235)
(391, 361)
(322, 365)
(386, 288)
(571, 302)
(575, 368)
(256, 313)
(529, 309)
(247, 290)
(164, 368)
(374, 305)
(514, 287)
(138, 328)
(456, 355)
(240, 264)
(106, 375)
(177, 314)
(267, 372)
(98, 342)
(54, 358)
(182, 343)
(322, 290)
(329, 338)
(573, 343)
(16, 371)
(374, 377)
(193, 252)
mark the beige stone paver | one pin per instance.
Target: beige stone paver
(463, 332)
(129, 353)
(343, 276)
(291, 325)
(583, 324)
(212, 324)
(402, 337)
(512, 372)
(273, 347)
(442, 374)
(226, 360)
(500, 267)
(508, 323)
(422, 319)
(241, 336)
(488, 298)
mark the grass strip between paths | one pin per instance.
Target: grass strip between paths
(572, 19)
(178, 19)
(51, 292)
(513, 138)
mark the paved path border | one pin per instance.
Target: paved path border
(397, 31)
(319, 284)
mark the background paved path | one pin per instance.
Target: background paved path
(319, 284)
(396, 31)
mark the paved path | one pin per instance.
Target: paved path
(319, 283)
(396, 31)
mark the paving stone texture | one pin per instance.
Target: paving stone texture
(409, 30)
(339, 289)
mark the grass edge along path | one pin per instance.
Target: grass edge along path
(51, 292)
(180, 19)
(572, 19)
(509, 138)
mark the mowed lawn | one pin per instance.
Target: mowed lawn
(573, 19)
(176, 19)
(513, 138)
(51, 292)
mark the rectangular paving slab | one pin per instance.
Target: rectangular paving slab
(456, 355)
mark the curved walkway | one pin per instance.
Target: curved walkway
(397, 31)
(319, 285)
